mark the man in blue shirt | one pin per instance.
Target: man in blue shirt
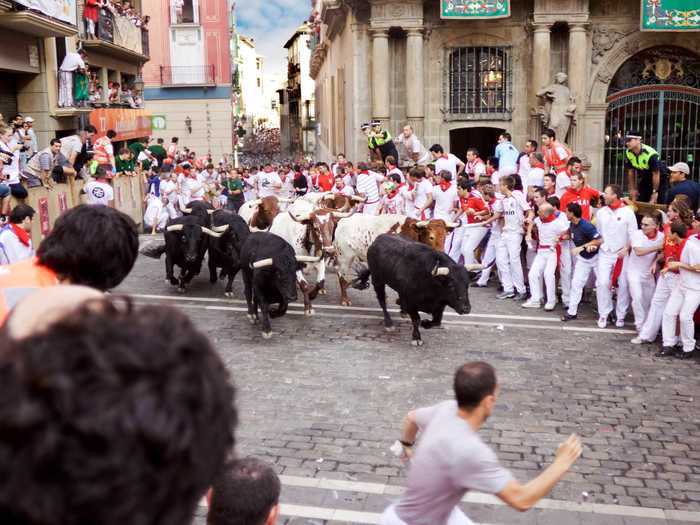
(680, 185)
(507, 155)
(587, 240)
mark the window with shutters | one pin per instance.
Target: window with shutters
(478, 83)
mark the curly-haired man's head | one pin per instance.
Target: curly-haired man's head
(113, 414)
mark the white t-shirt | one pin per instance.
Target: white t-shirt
(99, 193)
(367, 186)
(398, 172)
(71, 62)
(641, 264)
(166, 189)
(11, 171)
(444, 202)
(524, 166)
(70, 145)
(266, 182)
(476, 169)
(12, 250)
(549, 232)
(194, 189)
(513, 209)
(535, 177)
(345, 190)
(690, 255)
(563, 182)
(496, 179)
(412, 145)
(615, 227)
(447, 164)
(423, 188)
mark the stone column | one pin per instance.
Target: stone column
(578, 65)
(360, 101)
(541, 57)
(415, 104)
(380, 74)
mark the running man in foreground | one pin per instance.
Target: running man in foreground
(452, 459)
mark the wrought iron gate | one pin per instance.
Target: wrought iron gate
(667, 117)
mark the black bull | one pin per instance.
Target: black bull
(425, 279)
(224, 252)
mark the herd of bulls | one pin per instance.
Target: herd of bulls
(274, 249)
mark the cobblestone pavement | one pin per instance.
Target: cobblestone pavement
(325, 397)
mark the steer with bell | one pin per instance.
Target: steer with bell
(270, 271)
(425, 279)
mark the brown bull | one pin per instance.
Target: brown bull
(340, 202)
(268, 209)
(433, 233)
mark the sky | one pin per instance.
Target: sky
(271, 23)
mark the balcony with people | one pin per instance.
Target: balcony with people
(115, 28)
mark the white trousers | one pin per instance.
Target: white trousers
(641, 289)
(470, 242)
(453, 243)
(544, 266)
(488, 258)
(371, 209)
(664, 286)
(457, 517)
(681, 305)
(508, 261)
(582, 274)
(65, 89)
(606, 265)
(566, 269)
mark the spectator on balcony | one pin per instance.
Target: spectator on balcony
(74, 62)
(90, 17)
(81, 88)
(98, 97)
(126, 97)
(113, 93)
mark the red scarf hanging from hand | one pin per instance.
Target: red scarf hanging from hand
(22, 235)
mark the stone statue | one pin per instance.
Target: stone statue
(557, 111)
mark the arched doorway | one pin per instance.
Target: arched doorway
(656, 93)
(484, 139)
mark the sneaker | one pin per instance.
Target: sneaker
(531, 304)
(480, 285)
(639, 341)
(603, 321)
(520, 296)
(549, 307)
(505, 295)
(568, 317)
(620, 323)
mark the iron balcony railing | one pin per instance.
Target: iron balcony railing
(187, 75)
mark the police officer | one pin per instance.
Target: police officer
(381, 140)
(366, 128)
(646, 173)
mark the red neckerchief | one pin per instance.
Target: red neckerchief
(444, 185)
(653, 236)
(364, 172)
(549, 219)
(393, 193)
(537, 164)
(444, 156)
(490, 170)
(616, 205)
(554, 190)
(22, 235)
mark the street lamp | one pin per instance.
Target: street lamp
(188, 124)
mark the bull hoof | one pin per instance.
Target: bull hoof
(228, 294)
(429, 324)
(266, 335)
(309, 312)
(390, 329)
(417, 342)
(346, 302)
(180, 290)
(322, 291)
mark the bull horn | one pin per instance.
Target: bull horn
(210, 232)
(300, 218)
(256, 202)
(187, 210)
(452, 224)
(358, 199)
(220, 229)
(262, 263)
(284, 199)
(342, 215)
(440, 270)
(210, 211)
(307, 258)
(328, 197)
(175, 227)
(474, 267)
(422, 224)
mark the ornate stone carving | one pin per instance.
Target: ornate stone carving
(605, 75)
(317, 58)
(558, 106)
(604, 38)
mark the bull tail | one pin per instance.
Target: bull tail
(361, 280)
(153, 249)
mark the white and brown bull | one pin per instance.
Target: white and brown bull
(355, 235)
(310, 232)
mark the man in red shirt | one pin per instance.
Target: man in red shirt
(580, 193)
(325, 180)
(476, 211)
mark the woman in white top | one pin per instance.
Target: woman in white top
(640, 266)
(9, 148)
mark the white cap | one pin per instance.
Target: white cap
(29, 119)
(681, 167)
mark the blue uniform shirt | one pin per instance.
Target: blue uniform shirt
(507, 155)
(582, 233)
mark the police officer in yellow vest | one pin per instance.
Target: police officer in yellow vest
(646, 174)
(383, 144)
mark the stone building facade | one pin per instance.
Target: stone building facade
(461, 82)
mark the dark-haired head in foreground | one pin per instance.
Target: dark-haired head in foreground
(246, 493)
(112, 415)
(91, 245)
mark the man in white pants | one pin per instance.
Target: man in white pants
(471, 233)
(683, 302)
(586, 240)
(675, 234)
(512, 208)
(616, 223)
(646, 244)
(451, 457)
(550, 227)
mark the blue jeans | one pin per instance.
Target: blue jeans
(4, 191)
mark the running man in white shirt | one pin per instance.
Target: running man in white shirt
(446, 162)
(268, 182)
(512, 208)
(424, 188)
(368, 187)
(616, 224)
(550, 226)
(641, 266)
(475, 167)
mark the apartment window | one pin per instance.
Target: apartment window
(259, 83)
(184, 12)
(478, 83)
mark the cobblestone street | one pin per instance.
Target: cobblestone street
(324, 399)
